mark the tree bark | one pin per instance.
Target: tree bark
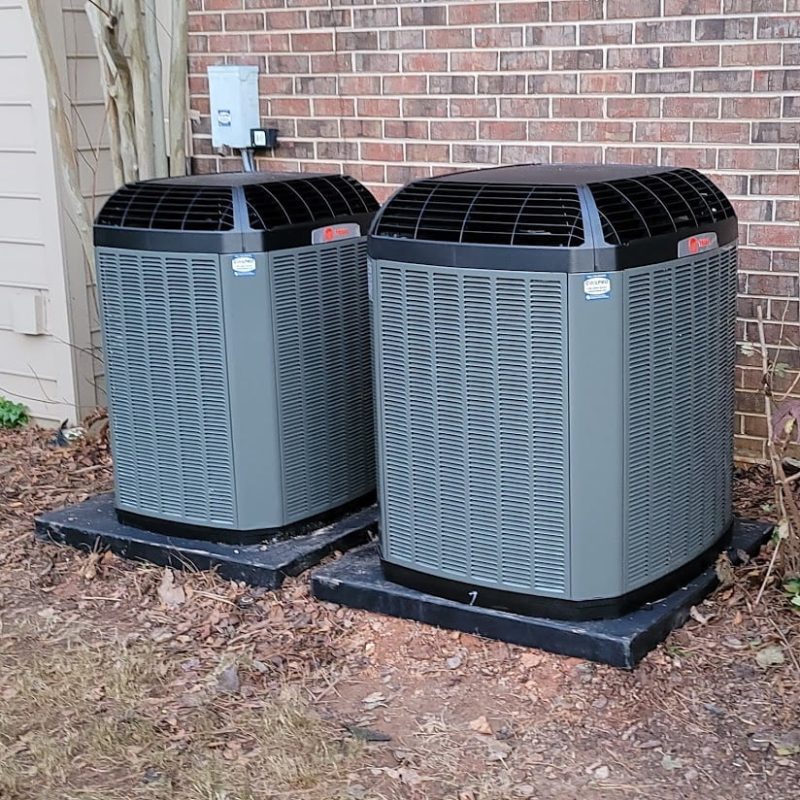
(142, 91)
(178, 77)
(156, 88)
(63, 135)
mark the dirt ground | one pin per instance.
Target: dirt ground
(119, 682)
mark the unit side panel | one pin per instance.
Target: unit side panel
(596, 435)
(320, 310)
(472, 413)
(168, 385)
(679, 325)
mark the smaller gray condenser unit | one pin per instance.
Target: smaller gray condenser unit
(554, 364)
(236, 335)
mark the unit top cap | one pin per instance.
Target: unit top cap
(550, 174)
(569, 217)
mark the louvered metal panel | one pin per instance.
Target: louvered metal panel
(321, 328)
(168, 387)
(680, 350)
(474, 425)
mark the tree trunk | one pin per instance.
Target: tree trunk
(177, 88)
(79, 211)
(156, 88)
(142, 91)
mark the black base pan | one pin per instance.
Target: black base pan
(357, 580)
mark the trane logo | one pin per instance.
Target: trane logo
(697, 244)
(330, 233)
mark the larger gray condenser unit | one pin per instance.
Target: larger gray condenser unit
(235, 322)
(554, 364)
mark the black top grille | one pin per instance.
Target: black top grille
(165, 207)
(507, 214)
(273, 205)
(641, 207)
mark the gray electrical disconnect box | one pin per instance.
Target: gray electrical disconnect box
(233, 92)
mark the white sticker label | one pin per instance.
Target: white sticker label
(597, 287)
(243, 265)
(224, 117)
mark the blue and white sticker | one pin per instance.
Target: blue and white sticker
(243, 266)
(224, 117)
(597, 287)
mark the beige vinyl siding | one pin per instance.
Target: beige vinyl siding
(35, 368)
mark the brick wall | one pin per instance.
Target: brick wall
(391, 91)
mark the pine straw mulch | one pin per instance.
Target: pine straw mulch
(235, 694)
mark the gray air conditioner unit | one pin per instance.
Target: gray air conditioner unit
(554, 364)
(235, 322)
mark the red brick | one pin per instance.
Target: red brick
(405, 174)
(746, 55)
(754, 210)
(356, 40)
(692, 56)
(524, 107)
(773, 185)
(524, 12)
(247, 21)
(360, 85)
(227, 43)
(633, 58)
(609, 33)
(448, 38)
(779, 27)
(472, 13)
(290, 107)
(402, 40)
(428, 152)
(473, 61)
(632, 155)
(503, 131)
(316, 85)
(663, 31)
(663, 82)
(405, 84)
(362, 128)
(606, 83)
(683, 8)
(724, 28)
(748, 158)
(285, 20)
(269, 43)
(405, 129)
(697, 157)
(476, 154)
(318, 128)
(502, 84)
(288, 64)
(205, 22)
(579, 107)
(381, 151)
(606, 131)
(577, 59)
(472, 107)
(576, 154)
(330, 18)
(524, 154)
(377, 62)
(552, 131)
(787, 211)
(762, 285)
(776, 80)
(662, 131)
(632, 9)
(789, 159)
(451, 84)
(334, 106)
(750, 107)
(729, 132)
(633, 107)
(323, 63)
(569, 10)
(424, 62)
(198, 44)
(452, 130)
(423, 15)
(312, 42)
(552, 83)
(754, 6)
(219, 5)
(551, 35)
(374, 17)
(275, 84)
(498, 37)
(525, 60)
(424, 107)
